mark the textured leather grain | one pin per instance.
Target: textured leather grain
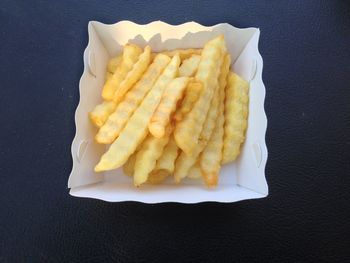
(305, 47)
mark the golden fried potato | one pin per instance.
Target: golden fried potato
(189, 66)
(136, 128)
(148, 155)
(236, 116)
(184, 162)
(192, 93)
(113, 64)
(195, 172)
(188, 130)
(129, 166)
(183, 53)
(157, 177)
(118, 119)
(210, 120)
(131, 54)
(210, 159)
(167, 161)
(108, 75)
(225, 68)
(134, 74)
(100, 113)
(166, 107)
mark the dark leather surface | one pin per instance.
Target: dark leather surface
(305, 47)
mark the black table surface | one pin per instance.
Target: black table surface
(305, 47)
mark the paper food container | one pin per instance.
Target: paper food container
(240, 180)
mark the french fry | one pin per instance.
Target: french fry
(100, 113)
(183, 53)
(188, 130)
(167, 106)
(134, 74)
(189, 66)
(211, 118)
(118, 119)
(108, 75)
(210, 159)
(129, 166)
(236, 116)
(192, 92)
(148, 155)
(184, 162)
(137, 127)
(130, 55)
(157, 177)
(167, 161)
(195, 172)
(113, 63)
(225, 68)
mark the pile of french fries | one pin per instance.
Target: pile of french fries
(179, 113)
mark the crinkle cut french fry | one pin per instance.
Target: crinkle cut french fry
(225, 69)
(211, 157)
(130, 55)
(183, 53)
(113, 63)
(134, 74)
(166, 107)
(157, 177)
(236, 116)
(129, 166)
(108, 75)
(136, 128)
(211, 118)
(192, 92)
(188, 130)
(189, 66)
(147, 156)
(167, 161)
(117, 120)
(100, 113)
(195, 172)
(184, 162)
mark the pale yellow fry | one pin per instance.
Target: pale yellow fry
(118, 119)
(113, 63)
(130, 55)
(211, 118)
(137, 127)
(184, 162)
(129, 166)
(157, 177)
(100, 113)
(195, 172)
(192, 92)
(188, 130)
(134, 74)
(183, 53)
(167, 161)
(225, 68)
(236, 116)
(148, 155)
(189, 66)
(108, 75)
(167, 106)
(210, 159)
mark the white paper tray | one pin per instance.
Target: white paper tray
(243, 179)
